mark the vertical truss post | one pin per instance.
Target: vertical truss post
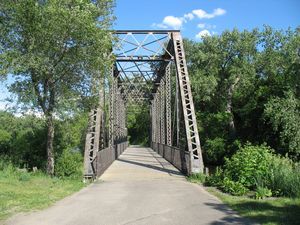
(193, 141)
(177, 113)
(116, 114)
(93, 140)
(123, 122)
(121, 109)
(158, 114)
(111, 109)
(154, 120)
(168, 105)
(162, 112)
(102, 116)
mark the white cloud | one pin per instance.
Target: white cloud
(207, 26)
(173, 22)
(202, 34)
(219, 12)
(201, 14)
(201, 25)
(159, 25)
(189, 16)
(170, 22)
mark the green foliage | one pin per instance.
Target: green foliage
(284, 177)
(69, 164)
(219, 180)
(284, 115)
(197, 178)
(256, 168)
(262, 192)
(249, 163)
(71, 133)
(215, 150)
(55, 52)
(216, 178)
(24, 140)
(246, 87)
(138, 124)
(232, 187)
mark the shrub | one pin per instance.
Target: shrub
(215, 179)
(262, 192)
(256, 168)
(69, 164)
(249, 163)
(232, 187)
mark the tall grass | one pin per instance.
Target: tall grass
(284, 177)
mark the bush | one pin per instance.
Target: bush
(7, 169)
(249, 163)
(232, 187)
(215, 179)
(262, 192)
(256, 168)
(69, 164)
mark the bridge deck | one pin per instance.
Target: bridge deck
(139, 188)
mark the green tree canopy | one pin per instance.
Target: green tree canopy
(55, 50)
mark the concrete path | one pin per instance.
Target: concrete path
(139, 188)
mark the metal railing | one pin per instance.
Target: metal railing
(105, 157)
(177, 157)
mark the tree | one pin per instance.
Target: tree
(284, 114)
(249, 82)
(221, 64)
(55, 50)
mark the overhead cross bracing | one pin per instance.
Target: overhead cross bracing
(141, 57)
(150, 69)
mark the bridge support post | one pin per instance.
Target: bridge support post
(168, 105)
(112, 84)
(93, 138)
(196, 162)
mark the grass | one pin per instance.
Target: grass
(198, 178)
(23, 191)
(271, 211)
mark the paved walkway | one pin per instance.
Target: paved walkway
(139, 188)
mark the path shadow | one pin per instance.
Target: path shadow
(151, 167)
(137, 155)
(231, 216)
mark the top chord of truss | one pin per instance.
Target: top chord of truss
(145, 31)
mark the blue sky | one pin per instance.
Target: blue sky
(200, 17)
(214, 16)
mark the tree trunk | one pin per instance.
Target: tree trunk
(50, 138)
(232, 129)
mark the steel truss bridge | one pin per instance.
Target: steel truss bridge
(150, 69)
